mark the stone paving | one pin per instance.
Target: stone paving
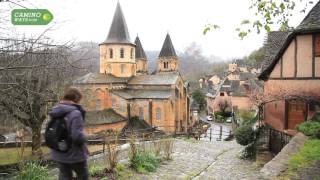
(202, 160)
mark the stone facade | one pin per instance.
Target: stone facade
(124, 85)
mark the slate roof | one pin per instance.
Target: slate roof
(156, 79)
(99, 78)
(277, 42)
(312, 20)
(143, 94)
(118, 32)
(140, 54)
(167, 49)
(106, 116)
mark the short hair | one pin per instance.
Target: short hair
(72, 94)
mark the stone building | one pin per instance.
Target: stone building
(123, 88)
(291, 74)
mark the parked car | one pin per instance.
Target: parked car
(229, 119)
(209, 118)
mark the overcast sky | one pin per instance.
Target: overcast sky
(82, 20)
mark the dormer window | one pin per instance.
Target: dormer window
(110, 53)
(121, 53)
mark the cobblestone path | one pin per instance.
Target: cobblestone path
(201, 160)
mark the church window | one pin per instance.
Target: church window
(121, 53)
(131, 53)
(110, 53)
(141, 113)
(317, 45)
(158, 113)
(122, 67)
(166, 65)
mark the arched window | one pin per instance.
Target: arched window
(110, 53)
(113, 103)
(122, 67)
(121, 53)
(131, 53)
(158, 113)
(141, 113)
(165, 65)
(98, 104)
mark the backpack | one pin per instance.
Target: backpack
(57, 136)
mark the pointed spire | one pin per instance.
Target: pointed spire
(118, 32)
(167, 48)
(140, 54)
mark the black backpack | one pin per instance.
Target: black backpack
(57, 135)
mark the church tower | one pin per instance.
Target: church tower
(117, 53)
(167, 60)
(141, 58)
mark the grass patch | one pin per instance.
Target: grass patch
(12, 155)
(96, 169)
(190, 140)
(144, 162)
(33, 171)
(307, 155)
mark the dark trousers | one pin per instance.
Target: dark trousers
(66, 169)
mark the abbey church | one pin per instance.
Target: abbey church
(124, 88)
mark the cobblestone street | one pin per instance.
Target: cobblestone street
(202, 160)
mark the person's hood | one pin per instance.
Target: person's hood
(61, 109)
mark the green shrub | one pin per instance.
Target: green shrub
(95, 169)
(33, 171)
(249, 151)
(307, 155)
(145, 162)
(309, 128)
(244, 135)
(247, 117)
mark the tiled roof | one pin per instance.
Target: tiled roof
(143, 94)
(140, 54)
(156, 79)
(167, 49)
(107, 116)
(118, 32)
(312, 20)
(99, 78)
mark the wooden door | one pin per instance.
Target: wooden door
(296, 113)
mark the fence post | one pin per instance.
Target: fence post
(210, 134)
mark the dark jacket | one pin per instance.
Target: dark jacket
(75, 124)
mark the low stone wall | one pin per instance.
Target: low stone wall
(280, 162)
(122, 156)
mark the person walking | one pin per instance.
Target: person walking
(75, 158)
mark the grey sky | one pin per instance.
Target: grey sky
(184, 19)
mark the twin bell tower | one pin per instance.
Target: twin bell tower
(122, 58)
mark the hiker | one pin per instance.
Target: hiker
(74, 158)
